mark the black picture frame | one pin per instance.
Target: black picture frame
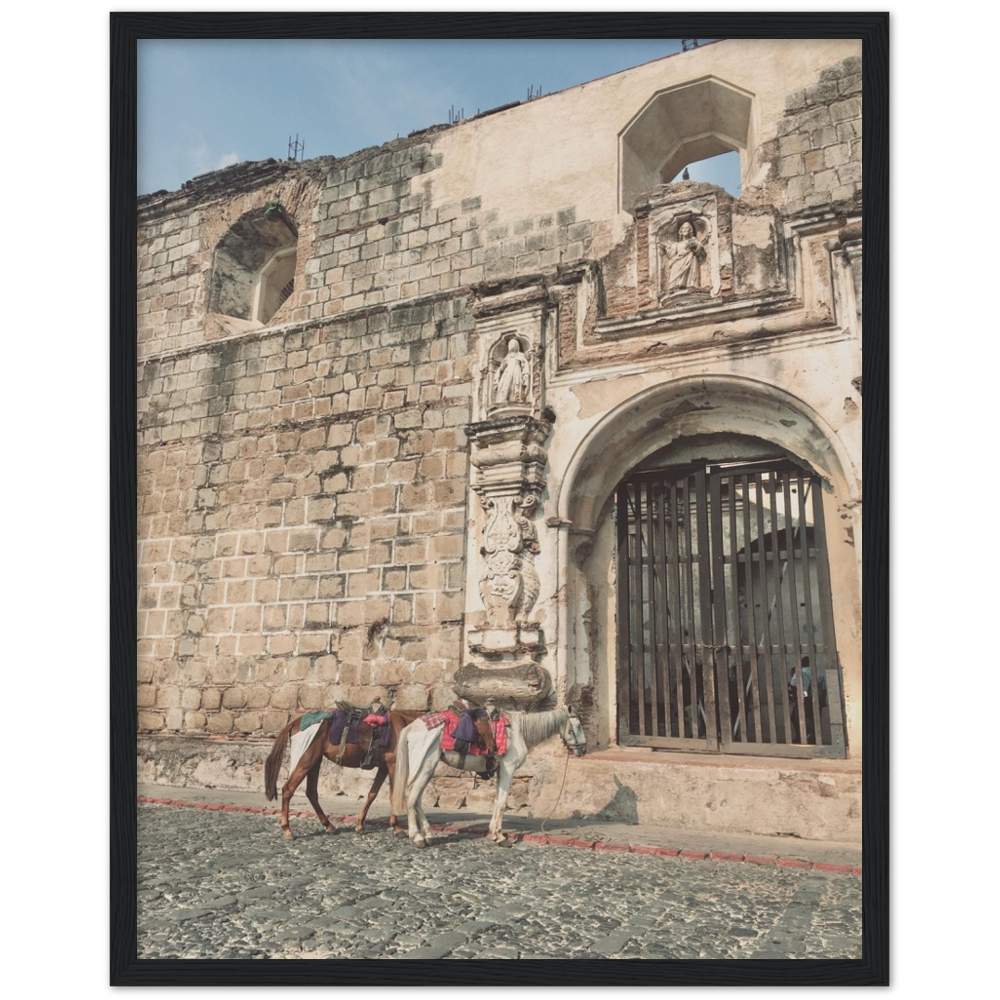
(873, 968)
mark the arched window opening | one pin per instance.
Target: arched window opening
(253, 271)
(680, 127)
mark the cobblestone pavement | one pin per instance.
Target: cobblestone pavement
(228, 885)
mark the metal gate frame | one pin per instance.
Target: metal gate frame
(679, 609)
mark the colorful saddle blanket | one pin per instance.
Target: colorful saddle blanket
(463, 727)
(339, 719)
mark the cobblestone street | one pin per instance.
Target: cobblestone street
(226, 885)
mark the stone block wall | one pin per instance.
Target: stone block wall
(302, 507)
(303, 486)
(380, 241)
(817, 152)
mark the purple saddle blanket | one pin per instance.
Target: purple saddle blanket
(339, 719)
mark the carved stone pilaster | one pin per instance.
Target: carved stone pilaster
(509, 459)
(507, 450)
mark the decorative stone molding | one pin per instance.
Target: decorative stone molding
(509, 453)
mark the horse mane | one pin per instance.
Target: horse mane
(537, 726)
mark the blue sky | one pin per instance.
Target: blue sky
(205, 104)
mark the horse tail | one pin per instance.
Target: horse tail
(272, 767)
(401, 776)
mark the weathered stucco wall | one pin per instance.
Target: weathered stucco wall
(318, 495)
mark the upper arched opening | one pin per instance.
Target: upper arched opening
(253, 273)
(681, 126)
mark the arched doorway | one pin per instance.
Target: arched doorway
(725, 628)
(712, 573)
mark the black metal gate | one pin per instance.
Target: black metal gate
(725, 626)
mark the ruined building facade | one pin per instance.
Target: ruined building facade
(496, 410)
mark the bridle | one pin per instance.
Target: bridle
(573, 736)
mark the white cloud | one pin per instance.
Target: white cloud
(227, 160)
(198, 155)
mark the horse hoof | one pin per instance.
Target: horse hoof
(399, 831)
(419, 842)
(288, 834)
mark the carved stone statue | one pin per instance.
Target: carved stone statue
(683, 262)
(512, 378)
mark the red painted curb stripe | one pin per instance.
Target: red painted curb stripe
(530, 838)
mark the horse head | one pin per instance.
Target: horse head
(573, 735)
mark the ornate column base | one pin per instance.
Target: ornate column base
(514, 685)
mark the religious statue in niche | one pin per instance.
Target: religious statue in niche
(512, 379)
(684, 263)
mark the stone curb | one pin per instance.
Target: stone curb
(539, 839)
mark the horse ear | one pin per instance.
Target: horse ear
(571, 710)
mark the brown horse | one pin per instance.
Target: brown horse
(350, 755)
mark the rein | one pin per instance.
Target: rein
(570, 748)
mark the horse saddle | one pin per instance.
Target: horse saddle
(461, 735)
(365, 728)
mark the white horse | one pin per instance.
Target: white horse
(419, 750)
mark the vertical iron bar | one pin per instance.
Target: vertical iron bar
(814, 666)
(675, 611)
(690, 649)
(678, 607)
(666, 686)
(624, 609)
(835, 701)
(793, 591)
(735, 578)
(639, 603)
(766, 640)
(705, 638)
(754, 706)
(780, 605)
(723, 643)
(654, 641)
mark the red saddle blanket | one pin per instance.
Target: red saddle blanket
(452, 720)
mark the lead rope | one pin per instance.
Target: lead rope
(559, 796)
(590, 831)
